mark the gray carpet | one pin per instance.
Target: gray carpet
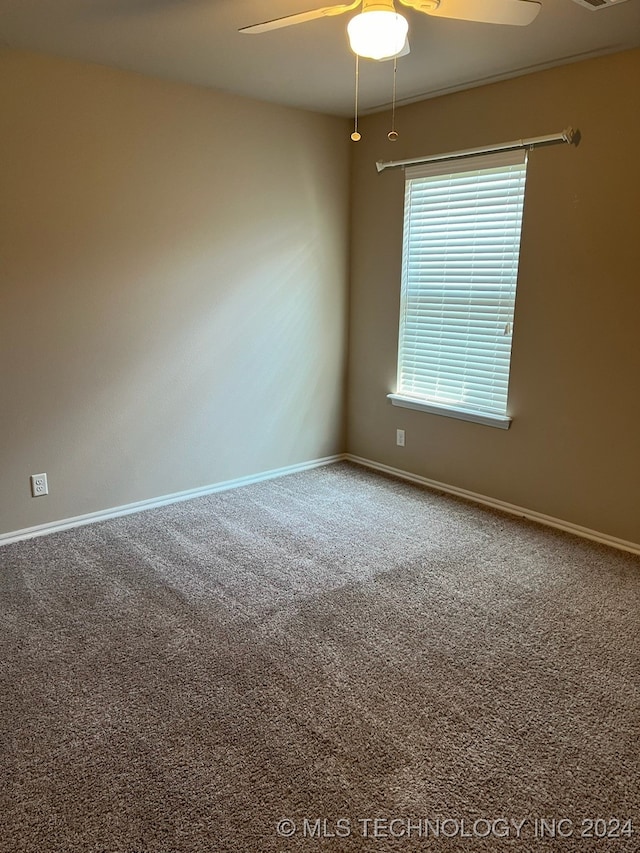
(331, 645)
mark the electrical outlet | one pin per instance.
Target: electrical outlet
(39, 485)
(400, 437)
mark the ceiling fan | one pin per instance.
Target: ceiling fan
(378, 32)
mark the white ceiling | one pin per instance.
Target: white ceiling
(309, 65)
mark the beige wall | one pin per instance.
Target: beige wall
(573, 451)
(172, 287)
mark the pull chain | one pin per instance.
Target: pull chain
(355, 136)
(393, 135)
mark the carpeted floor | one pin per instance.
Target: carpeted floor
(328, 648)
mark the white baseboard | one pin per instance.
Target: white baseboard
(512, 509)
(164, 500)
(140, 506)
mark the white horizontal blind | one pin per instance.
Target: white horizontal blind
(460, 264)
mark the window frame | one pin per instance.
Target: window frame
(401, 397)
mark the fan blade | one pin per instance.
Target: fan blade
(300, 18)
(514, 12)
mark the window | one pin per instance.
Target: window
(461, 247)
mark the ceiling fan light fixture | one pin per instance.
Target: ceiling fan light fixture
(377, 34)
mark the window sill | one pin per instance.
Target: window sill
(499, 421)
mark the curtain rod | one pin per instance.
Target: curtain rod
(569, 136)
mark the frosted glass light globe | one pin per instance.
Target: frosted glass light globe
(377, 34)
